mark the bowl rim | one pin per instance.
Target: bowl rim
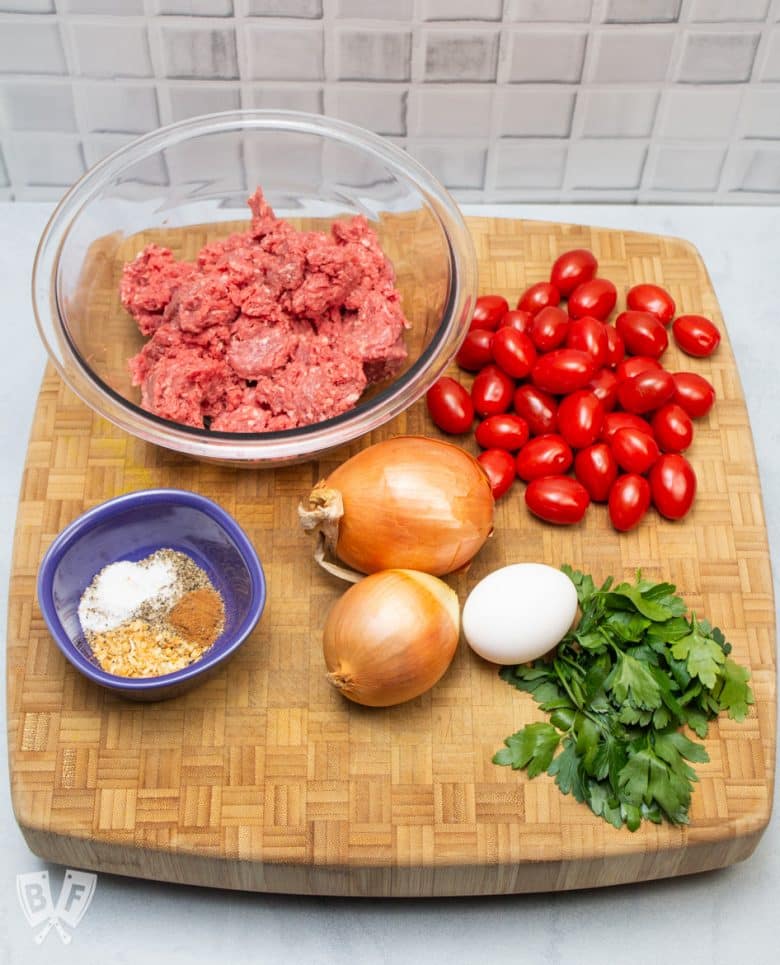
(105, 511)
(283, 445)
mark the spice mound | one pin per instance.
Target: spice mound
(268, 329)
(153, 617)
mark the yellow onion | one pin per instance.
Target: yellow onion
(407, 502)
(391, 636)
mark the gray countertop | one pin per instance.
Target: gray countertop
(712, 919)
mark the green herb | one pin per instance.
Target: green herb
(621, 685)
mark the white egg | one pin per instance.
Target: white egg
(519, 612)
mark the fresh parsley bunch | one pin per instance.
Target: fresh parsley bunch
(620, 686)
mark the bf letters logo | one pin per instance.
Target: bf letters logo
(76, 895)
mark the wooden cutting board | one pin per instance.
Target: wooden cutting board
(265, 779)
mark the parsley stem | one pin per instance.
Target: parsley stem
(564, 683)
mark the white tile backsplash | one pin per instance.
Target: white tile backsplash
(642, 11)
(600, 164)
(760, 114)
(373, 53)
(536, 112)
(616, 113)
(543, 55)
(566, 11)
(724, 11)
(461, 9)
(717, 58)
(31, 47)
(468, 54)
(444, 112)
(380, 109)
(690, 113)
(197, 51)
(282, 53)
(687, 168)
(109, 49)
(623, 56)
(118, 108)
(503, 99)
(37, 105)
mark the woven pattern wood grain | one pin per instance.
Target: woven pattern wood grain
(264, 778)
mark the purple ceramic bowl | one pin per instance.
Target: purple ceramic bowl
(131, 527)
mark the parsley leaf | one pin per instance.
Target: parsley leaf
(634, 670)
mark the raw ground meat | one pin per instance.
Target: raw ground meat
(269, 329)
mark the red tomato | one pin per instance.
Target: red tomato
(634, 450)
(636, 364)
(672, 428)
(596, 469)
(499, 467)
(475, 353)
(450, 405)
(539, 409)
(673, 484)
(513, 352)
(651, 298)
(564, 370)
(489, 311)
(596, 298)
(604, 386)
(613, 421)
(548, 329)
(615, 347)
(572, 269)
(580, 419)
(589, 335)
(492, 391)
(557, 499)
(693, 393)
(503, 431)
(538, 296)
(696, 335)
(517, 320)
(543, 456)
(646, 391)
(642, 333)
(629, 500)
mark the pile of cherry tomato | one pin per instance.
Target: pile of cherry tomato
(558, 390)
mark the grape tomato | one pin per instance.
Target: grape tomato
(538, 296)
(544, 456)
(475, 352)
(604, 386)
(548, 328)
(450, 406)
(513, 352)
(653, 299)
(539, 409)
(488, 311)
(629, 500)
(673, 485)
(514, 318)
(596, 297)
(563, 370)
(634, 450)
(589, 335)
(672, 428)
(557, 499)
(499, 467)
(572, 269)
(597, 469)
(636, 364)
(614, 421)
(646, 391)
(580, 419)
(693, 393)
(642, 333)
(696, 335)
(502, 431)
(492, 391)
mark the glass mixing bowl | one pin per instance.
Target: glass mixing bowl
(187, 184)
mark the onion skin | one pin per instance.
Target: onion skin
(408, 502)
(391, 637)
